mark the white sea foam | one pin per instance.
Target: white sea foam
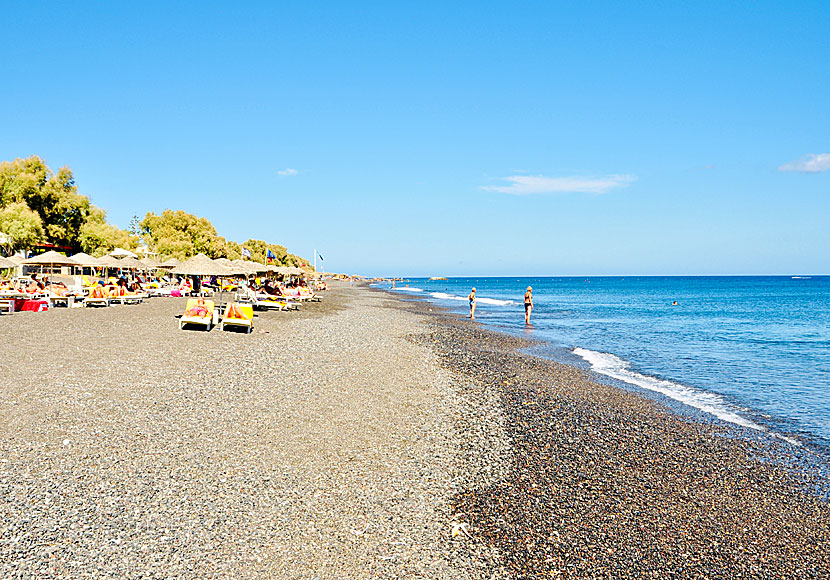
(615, 367)
(495, 301)
(479, 299)
(445, 296)
(406, 289)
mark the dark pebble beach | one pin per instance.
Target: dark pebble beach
(365, 436)
(604, 483)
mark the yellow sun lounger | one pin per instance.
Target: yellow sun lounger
(190, 313)
(98, 296)
(238, 315)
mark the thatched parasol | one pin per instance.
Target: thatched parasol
(201, 265)
(4, 263)
(248, 267)
(50, 258)
(170, 264)
(132, 263)
(109, 262)
(122, 253)
(150, 263)
(85, 260)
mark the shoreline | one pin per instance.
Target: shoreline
(605, 481)
(809, 447)
(731, 349)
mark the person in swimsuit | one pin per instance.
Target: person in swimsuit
(528, 304)
(472, 299)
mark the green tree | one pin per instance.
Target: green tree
(233, 251)
(21, 228)
(54, 196)
(97, 237)
(181, 235)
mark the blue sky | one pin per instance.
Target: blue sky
(482, 138)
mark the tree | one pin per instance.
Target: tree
(21, 228)
(233, 251)
(259, 250)
(62, 210)
(97, 237)
(182, 235)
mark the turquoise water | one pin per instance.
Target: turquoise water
(754, 351)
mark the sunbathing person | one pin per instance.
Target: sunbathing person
(198, 310)
(234, 311)
(99, 292)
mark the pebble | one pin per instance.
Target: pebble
(604, 483)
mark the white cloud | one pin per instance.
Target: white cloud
(530, 184)
(287, 172)
(813, 163)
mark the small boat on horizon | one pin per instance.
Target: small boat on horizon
(437, 278)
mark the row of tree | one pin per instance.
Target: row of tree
(40, 206)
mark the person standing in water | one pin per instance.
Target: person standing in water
(472, 299)
(528, 304)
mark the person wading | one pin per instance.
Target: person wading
(528, 304)
(472, 299)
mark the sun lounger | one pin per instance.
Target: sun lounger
(67, 300)
(238, 315)
(192, 306)
(132, 298)
(266, 301)
(98, 296)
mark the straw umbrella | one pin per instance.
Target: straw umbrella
(108, 262)
(249, 268)
(122, 253)
(170, 264)
(201, 265)
(85, 260)
(51, 259)
(18, 264)
(150, 263)
(4, 263)
(132, 263)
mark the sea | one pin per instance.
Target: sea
(748, 351)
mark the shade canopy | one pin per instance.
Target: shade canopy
(170, 264)
(109, 262)
(122, 253)
(132, 263)
(201, 265)
(247, 267)
(150, 263)
(289, 271)
(85, 260)
(4, 263)
(50, 258)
